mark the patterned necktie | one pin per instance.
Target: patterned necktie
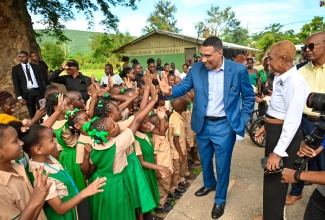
(28, 73)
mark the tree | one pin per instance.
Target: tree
(102, 45)
(218, 21)
(16, 26)
(266, 42)
(222, 23)
(53, 54)
(162, 18)
(316, 25)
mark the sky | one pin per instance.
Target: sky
(254, 15)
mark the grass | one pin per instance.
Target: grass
(98, 73)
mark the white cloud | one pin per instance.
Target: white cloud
(194, 3)
(132, 24)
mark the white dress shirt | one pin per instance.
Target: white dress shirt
(216, 106)
(30, 84)
(290, 91)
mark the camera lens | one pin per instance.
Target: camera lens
(316, 101)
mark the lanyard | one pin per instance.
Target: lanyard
(66, 175)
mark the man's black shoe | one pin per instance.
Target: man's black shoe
(204, 191)
(166, 208)
(175, 195)
(180, 190)
(218, 211)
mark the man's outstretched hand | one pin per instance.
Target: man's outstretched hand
(164, 86)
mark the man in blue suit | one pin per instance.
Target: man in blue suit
(223, 104)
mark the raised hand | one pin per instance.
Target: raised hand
(147, 79)
(41, 185)
(161, 112)
(164, 86)
(94, 187)
(128, 82)
(153, 93)
(60, 107)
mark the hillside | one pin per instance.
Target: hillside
(79, 40)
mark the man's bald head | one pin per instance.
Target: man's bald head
(317, 53)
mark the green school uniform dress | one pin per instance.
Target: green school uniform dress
(140, 192)
(148, 156)
(115, 202)
(63, 176)
(68, 160)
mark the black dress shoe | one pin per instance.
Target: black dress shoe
(175, 195)
(166, 208)
(204, 191)
(218, 211)
(180, 190)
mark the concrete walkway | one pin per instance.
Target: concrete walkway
(244, 198)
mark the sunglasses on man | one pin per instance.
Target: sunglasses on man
(309, 46)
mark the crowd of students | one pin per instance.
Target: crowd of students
(123, 154)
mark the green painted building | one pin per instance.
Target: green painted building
(173, 48)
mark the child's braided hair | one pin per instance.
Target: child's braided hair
(4, 95)
(102, 108)
(51, 101)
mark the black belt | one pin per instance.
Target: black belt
(212, 118)
(311, 118)
(31, 89)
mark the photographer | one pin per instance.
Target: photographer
(314, 74)
(74, 80)
(282, 119)
(316, 205)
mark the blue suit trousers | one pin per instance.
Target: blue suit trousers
(216, 138)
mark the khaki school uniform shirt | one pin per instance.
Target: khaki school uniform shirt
(176, 128)
(315, 77)
(69, 139)
(163, 152)
(15, 192)
(81, 147)
(188, 130)
(57, 188)
(122, 141)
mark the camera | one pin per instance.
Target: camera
(316, 101)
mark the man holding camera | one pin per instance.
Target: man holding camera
(316, 205)
(314, 74)
(74, 80)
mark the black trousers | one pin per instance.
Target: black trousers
(274, 192)
(32, 99)
(316, 207)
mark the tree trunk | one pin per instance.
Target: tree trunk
(17, 34)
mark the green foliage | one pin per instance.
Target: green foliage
(55, 12)
(316, 25)
(79, 40)
(271, 35)
(222, 23)
(162, 18)
(52, 54)
(266, 41)
(102, 45)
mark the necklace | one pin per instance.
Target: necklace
(66, 175)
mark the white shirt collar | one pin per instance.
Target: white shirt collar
(287, 74)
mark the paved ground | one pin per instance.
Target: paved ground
(244, 199)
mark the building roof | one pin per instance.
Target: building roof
(196, 40)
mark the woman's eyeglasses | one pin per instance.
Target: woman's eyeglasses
(309, 46)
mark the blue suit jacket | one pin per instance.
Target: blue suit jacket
(236, 87)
